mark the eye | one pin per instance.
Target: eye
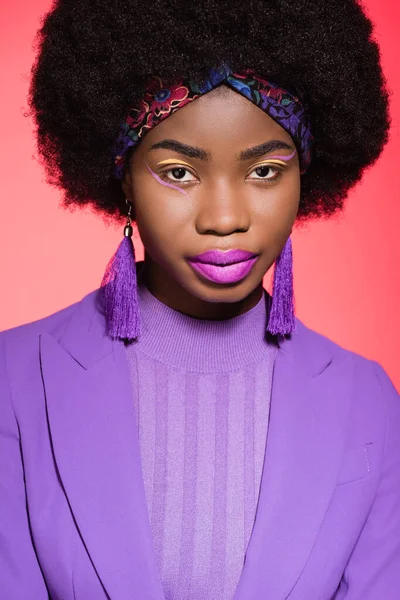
(179, 174)
(262, 171)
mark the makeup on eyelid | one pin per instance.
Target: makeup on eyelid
(275, 159)
(269, 163)
(165, 183)
(286, 158)
(172, 161)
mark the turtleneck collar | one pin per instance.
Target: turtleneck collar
(202, 345)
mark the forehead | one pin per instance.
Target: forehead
(221, 117)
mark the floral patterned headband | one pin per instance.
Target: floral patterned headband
(161, 100)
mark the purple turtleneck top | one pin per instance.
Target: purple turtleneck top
(202, 393)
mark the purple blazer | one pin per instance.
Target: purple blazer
(73, 514)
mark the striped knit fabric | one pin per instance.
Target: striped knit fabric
(202, 395)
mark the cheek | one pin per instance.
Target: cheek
(161, 219)
(288, 202)
(277, 205)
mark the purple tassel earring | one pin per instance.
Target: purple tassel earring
(119, 286)
(281, 318)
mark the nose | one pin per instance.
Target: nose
(222, 210)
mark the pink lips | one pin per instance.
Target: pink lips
(224, 267)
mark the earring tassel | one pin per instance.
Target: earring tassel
(120, 296)
(281, 319)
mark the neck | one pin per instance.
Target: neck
(202, 345)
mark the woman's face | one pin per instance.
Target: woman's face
(198, 182)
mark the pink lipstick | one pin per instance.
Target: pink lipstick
(224, 267)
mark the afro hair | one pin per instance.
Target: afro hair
(94, 58)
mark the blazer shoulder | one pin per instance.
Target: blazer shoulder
(363, 368)
(316, 340)
(21, 338)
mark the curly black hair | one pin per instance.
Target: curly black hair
(94, 58)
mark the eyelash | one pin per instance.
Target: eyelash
(278, 174)
(277, 170)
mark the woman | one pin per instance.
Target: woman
(179, 433)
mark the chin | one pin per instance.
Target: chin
(209, 291)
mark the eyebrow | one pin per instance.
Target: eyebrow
(181, 148)
(258, 151)
(195, 152)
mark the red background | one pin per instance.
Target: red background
(346, 270)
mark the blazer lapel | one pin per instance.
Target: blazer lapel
(305, 442)
(94, 436)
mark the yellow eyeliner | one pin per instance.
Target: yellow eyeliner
(268, 162)
(173, 161)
